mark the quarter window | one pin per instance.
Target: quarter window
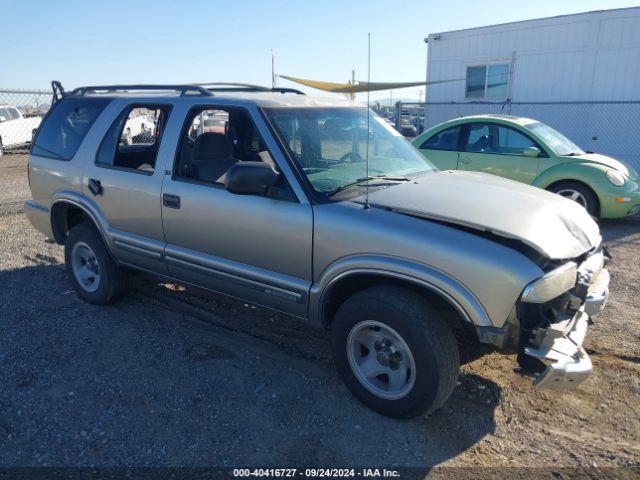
(133, 140)
(13, 113)
(444, 140)
(65, 127)
(487, 81)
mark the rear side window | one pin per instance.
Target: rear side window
(13, 113)
(445, 140)
(65, 127)
(133, 140)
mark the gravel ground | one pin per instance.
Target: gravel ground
(175, 376)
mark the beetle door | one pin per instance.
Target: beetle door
(499, 150)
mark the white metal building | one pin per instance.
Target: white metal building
(579, 73)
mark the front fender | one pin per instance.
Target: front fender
(400, 269)
(588, 173)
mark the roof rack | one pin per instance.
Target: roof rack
(245, 87)
(203, 89)
(183, 89)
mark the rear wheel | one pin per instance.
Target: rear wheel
(579, 193)
(93, 273)
(1, 149)
(395, 351)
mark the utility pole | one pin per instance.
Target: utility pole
(273, 69)
(353, 82)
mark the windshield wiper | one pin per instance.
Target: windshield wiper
(393, 178)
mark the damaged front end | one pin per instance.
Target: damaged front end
(554, 313)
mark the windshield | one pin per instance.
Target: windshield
(560, 144)
(330, 146)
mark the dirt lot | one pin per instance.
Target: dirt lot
(179, 377)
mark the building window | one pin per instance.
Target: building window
(487, 81)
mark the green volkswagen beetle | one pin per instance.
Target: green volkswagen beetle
(531, 152)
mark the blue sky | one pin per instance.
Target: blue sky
(158, 41)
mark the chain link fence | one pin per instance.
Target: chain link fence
(605, 127)
(21, 112)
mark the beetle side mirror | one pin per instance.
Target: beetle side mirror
(533, 152)
(250, 178)
(3, 119)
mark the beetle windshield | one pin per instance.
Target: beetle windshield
(330, 146)
(557, 142)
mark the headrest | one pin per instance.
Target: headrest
(212, 145)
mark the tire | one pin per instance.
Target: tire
(86, 255)
(579, 193)
(1, 149)
(431, 345)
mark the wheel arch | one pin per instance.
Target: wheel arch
(66, 213)
(582, 184)
(463, 311)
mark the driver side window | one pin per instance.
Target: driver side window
(214, 139)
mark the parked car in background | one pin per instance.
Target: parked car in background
(210, 122)
(406, 128)
(140, 127)
(531, 152)
(15, 129)
(395, 259)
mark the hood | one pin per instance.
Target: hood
(607, 162)
(553, 226)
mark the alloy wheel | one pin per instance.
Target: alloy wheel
(381, 360)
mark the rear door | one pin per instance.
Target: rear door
(499, 150)
(442, 149)
(257, 248)
(125, 181)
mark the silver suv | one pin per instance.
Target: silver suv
(319, 209)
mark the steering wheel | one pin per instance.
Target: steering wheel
(355, 157)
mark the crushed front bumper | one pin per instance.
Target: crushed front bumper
(559, 346)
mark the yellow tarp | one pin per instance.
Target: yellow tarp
(349, 88)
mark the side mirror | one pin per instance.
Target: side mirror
(250, 178)
(3, 119)
(532, 152)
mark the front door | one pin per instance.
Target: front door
(254, 247)
(499, 150)
(125, 182)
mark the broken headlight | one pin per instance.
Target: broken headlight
(552, 284)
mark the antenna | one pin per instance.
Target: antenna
(366, 201)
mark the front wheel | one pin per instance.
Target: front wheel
(395, 351)
(579, 193)
(95, 276)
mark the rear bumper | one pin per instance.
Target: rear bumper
(559, 346)
(39, 217)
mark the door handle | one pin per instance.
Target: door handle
(170, 201)
(465, 160)
(95, 186)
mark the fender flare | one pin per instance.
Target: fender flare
(424, 276)
(88, 207)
